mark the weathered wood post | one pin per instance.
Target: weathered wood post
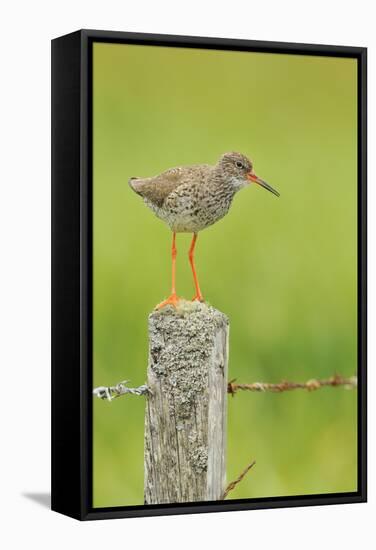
(186, 411)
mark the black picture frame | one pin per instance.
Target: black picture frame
(72, 273)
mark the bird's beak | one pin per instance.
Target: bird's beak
(251, 176)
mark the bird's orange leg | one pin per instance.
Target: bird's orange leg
(198, 295)
(173, 298)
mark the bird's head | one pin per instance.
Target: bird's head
(238, 169)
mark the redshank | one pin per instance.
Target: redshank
(190, 198)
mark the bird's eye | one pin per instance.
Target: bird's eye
(239, 164)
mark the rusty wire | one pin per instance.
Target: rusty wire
(111, 392)
(234, 483)
(310, 385)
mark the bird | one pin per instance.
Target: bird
(191, 198)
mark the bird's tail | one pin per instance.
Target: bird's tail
(134, 183)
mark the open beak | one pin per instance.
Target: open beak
(252, 177)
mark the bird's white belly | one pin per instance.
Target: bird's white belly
(186, 216)
(184, 223)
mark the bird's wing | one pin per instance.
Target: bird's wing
(158, 188)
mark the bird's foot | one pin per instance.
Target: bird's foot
(198, 298)
(171, 301)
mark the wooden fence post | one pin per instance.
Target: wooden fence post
(185, 420)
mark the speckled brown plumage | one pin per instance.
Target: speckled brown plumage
(190, 198)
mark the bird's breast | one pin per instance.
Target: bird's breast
(192, 210)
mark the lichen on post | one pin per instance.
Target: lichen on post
(185, 420)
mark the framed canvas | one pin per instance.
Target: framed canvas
(250, 158)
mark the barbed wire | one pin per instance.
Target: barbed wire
(234, 483)
(310, 385)
(112, 392)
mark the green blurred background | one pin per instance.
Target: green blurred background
(283, 270)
